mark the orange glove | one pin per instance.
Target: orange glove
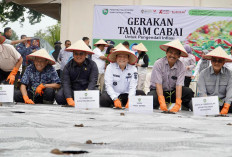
(225, 109)
(162, 103)
(27, 100)
(127, 104)
(70, 101)
(177, 106)
(12, 75)
(117, 103)
(39, 89)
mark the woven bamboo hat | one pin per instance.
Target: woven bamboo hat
(2, 39)
(122, 50)
(101, 42)
(140, 47)
(79, 45)
(119, 45)
(175, 44)
(219, 53)
(42, 53)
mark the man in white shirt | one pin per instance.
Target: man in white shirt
(99, 58)
(10, 61)
(120, 79)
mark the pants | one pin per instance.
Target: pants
(23, 70)
(141, 81)
(187, 95)
(100, 81)
(4, 75)
(187, 81)
(61, 75)
(46, 98)
(106, 101)
(60, 98)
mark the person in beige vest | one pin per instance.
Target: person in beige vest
(142, 65)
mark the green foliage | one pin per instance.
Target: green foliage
(51, 34)
(14, 36)
(11, 12)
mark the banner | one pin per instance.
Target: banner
(202, 28)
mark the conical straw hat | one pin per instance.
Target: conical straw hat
(119, 45)
(122, 50)
(42, 53)
(219, 53)
(79, 45)
(175, 44)
(101, 42)
(140, 47)
(2, 39)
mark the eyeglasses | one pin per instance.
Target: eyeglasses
(68, 44)
(174, 53)
(79, 54)
(217, 60)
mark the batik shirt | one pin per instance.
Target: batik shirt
(24, 51)
(33, 78)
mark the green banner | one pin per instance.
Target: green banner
(154, 52)
(224, 13)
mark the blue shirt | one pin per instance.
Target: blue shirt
(33, 78)
(24, 51)
(34, 47)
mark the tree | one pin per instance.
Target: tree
(11, 12)
(51, 34)
(14, 35)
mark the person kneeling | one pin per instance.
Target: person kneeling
(39, 81)
(167, 79)
(120, 79)
(216, 80)
(80, 73)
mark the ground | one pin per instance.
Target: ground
(43, 128)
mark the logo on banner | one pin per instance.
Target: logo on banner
(105, 11)
(86, 94)
(139, 99)
(164, 11)
(146, 11)
(0, 88)
(204, 100)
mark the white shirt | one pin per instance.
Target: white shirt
(9, 56)
(228, 65)
(142, 70)
(190, 62)
(197, 68)
(96, 58)
(118, 82)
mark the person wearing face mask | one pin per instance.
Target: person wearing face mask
(120, 79)
(216, 80)
(167, 79)
(80, 73)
